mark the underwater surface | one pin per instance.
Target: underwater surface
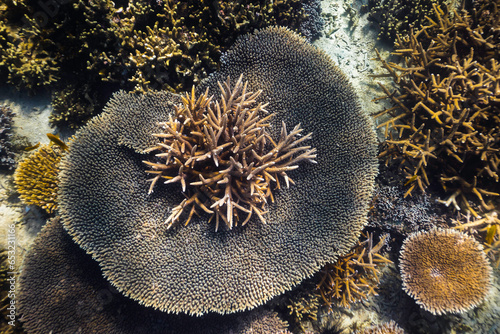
(295, 166)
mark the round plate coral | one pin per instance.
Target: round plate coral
(194, 269)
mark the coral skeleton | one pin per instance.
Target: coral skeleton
(223, 157)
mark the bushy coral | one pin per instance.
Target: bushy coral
(136, 45)
(36, 177)
(354, 277)
(6, 154)
(303, 307)
(444, 125)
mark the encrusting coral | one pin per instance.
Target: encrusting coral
(354, 276)
(222, 148)
(386, 328)
(61, 290)
(6, 154)
(445, 271)
(36, 177)
(139, 45)
(105, 205)
(443, 128)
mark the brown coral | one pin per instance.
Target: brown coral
(105, 204)
(443, 128)
(62, 290)
(445, 271)
(354, 276)
(36, 177)
(223, 151)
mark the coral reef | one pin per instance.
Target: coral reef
(488, 228)
(396, 17)
(354, 276)
(443, 127)
(193, 269)
(223, 151)
(445, 271)
(6, 155)
(62, 291)
(139, 45)
(386, 328)
(303, 307)
(36, 177)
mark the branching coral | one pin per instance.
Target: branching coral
(444, 125)
(445, 271)
(6, 154)
(354, 276)
(224, 151)
(36, 176)
(395, 17)
(489, 229)
(135, 45)
(303, 307)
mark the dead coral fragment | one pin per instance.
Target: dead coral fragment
(36, 177)
(354, 276)
(223, 157)
(445, 271)
(6, 153)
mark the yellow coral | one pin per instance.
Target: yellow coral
(36, 177)
(354, 276)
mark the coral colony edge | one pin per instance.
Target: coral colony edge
(244, 167)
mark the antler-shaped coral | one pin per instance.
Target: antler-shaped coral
(223, 157)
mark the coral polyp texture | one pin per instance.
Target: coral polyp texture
(445, 271)
(61, 290)
(386, 328)
(443, 128)
(36, 177)
(222, 148)
(354, 276)
(6, 154)
(105, 205)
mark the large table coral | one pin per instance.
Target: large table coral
(105, 205)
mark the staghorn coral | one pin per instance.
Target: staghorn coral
(354, 277)
(395, 17)
(445, 271)
(386, 328)
(223, 151)
(443, 127)
(36, 177)
(6, 155)
(303, 307)
(489, 230)
(193, 269)
(133, 45)
(61, 290)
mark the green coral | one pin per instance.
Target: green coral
(136, 45)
